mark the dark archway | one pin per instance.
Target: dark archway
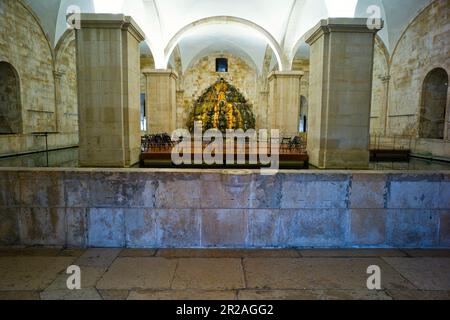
(303, 115)
(434, 104)
(10, 105)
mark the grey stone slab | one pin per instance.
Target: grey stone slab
(313, 227)
(89, 278)
(318, 273)
(100, 258)
(42, 226)
(183, 295)
(9, 228)
(314, 194)
(428, 253)
(270, 295)
(424, 273)
(227, 253)
(76, 227)
(368, 191)
(418, 295)
(30, 273)
(113, 295)
(209, 274)
(368, 227)
(264, 228)
(19, 295)
(412, 228)
(138, 273)
(140, 228)
(106, 228)
(137, 253)
(351, 253)
(90, 294)
(178, 228)
(224, 228)
(419, 194)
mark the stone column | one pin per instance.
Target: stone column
(340, 92)
(58, 75)
(284, 102)
(161, 95)
(108, 90)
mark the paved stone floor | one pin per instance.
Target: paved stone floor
(39, 273)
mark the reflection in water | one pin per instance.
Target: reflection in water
(68, 158)
(65, 158)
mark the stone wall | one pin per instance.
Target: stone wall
(23, 44)
(380, 82)
(423, 47)
(66, 68)
(173, 208)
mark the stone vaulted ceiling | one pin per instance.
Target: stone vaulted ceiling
(242, 27)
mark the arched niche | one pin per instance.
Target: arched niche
(434, 104)
(10, 104)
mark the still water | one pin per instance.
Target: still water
(68, 158)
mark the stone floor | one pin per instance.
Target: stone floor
(39, 273)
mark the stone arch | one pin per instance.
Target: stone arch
(10, 102)
(434, 104)
(227, 20)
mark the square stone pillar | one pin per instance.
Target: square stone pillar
(161, 95)
(108, 69)
(284, 102)
(340, 91)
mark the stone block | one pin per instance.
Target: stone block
(444, 195)
(444, 231)
(412, 228)
(209, 274)
(9, 192)
(139, 273)
(178, 228)
(314, 194)
(313, 227)
(368, 227)
(413, 195)
(181, 192)
(76, 227)
(106, 228)
(368, 191)
(77, 193)
(140, 226)
(267, 192)
(224, 228)
(231, 191)
(42, 192)
(9, 227)
(42, 226)
(263, 228)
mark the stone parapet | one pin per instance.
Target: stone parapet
(214, 208)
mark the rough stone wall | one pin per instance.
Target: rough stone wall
(135, 208)
(65, 65)
(24, 45)
(424, 46)
(203, 74)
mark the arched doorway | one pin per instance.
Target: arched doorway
(303, 115)
(434, 104)
(10, 106)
